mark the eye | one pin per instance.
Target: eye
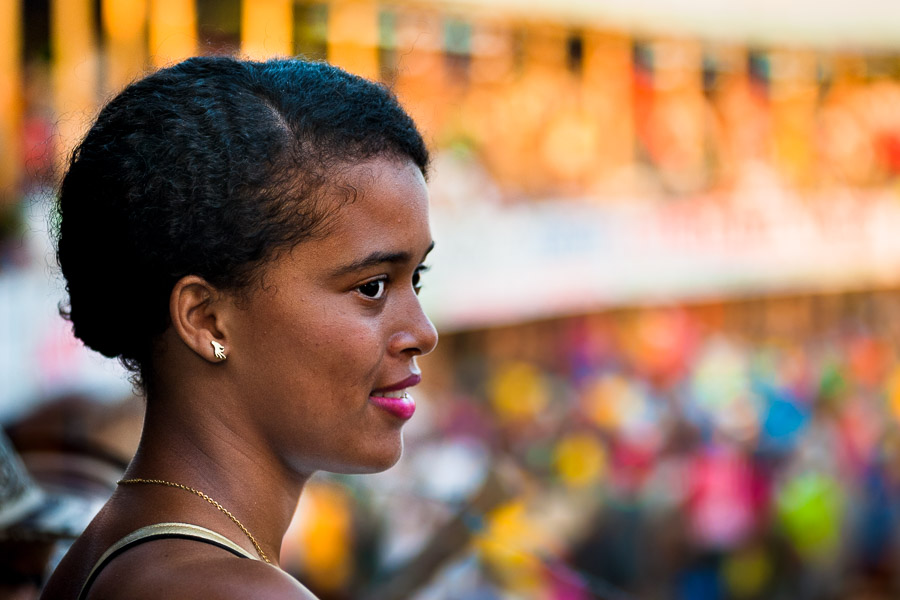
(417, 277)
(372, 289)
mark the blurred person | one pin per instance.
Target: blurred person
(22, 557)
(63, 459)
(246, 237)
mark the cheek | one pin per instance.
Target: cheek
(338, 351)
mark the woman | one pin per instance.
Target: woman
(247, 238)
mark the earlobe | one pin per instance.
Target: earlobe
(196, 317)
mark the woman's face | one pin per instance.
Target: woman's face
(337, 325)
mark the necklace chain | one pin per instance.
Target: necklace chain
(221, 508)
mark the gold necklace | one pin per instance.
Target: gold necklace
(208, 499)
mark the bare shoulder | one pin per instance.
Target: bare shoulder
(177, 569)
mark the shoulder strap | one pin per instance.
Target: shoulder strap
(161, 530)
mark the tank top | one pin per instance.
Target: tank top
(183, 531)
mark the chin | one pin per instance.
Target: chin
(374, 462)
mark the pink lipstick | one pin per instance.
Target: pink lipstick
(394, 399)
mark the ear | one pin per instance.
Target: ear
(196, 314)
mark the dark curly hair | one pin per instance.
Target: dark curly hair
(208, 167)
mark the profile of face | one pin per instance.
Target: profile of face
(322, 350)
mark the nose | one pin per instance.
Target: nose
(416, 334)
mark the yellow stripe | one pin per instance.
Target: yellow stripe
(266, 28)
(75, 68)
(173, 31)
(10, 98)
(353, 36)
(126, 53)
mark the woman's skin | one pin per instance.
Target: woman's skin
(334, 320)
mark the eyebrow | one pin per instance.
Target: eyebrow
(375, 259)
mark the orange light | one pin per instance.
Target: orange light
(266, 28)
(353, 36)
(124, 19)
(75, 69)
(10, 96)
(173, 31)
(126, 54)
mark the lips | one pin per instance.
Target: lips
(394, 399)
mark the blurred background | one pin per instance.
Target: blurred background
(667, 281)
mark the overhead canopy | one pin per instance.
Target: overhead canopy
(861, 24)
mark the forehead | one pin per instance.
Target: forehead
(377, 205)
(377, 193)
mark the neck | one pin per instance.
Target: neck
(200, 449)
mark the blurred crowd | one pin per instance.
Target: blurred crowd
(744, 451)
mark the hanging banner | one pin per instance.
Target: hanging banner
(498, 264)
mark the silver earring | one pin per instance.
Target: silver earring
(218, 350)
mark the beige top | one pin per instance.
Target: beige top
(161, 530)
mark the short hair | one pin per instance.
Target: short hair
(208, 167)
